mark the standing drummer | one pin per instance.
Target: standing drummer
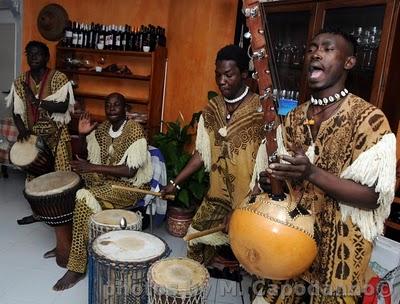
(41, 100)
(341, 151)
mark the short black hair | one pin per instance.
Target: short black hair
(235, 53)
(346, 36)
(119, 96)
(40, 45)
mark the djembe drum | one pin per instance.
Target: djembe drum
(110, 220)
(52, 198)
(118, 265)
(32, 156)
(177, 281)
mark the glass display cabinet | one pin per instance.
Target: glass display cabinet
(290, 25)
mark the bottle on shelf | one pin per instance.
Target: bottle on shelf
(75, 34)
(67, 41)
(113, 37)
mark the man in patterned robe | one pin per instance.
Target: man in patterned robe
(341, 151)
(228, 136)
(42, 100)
(117, 154)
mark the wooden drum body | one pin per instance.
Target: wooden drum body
(118, 265)
(52, 199)
(272, 239)
(110, 220)
(177, 281)
(32, 156)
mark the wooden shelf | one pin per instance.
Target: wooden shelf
(393, 225)
(109, 52)
(396, 200)
(105, 74)
(101, 96)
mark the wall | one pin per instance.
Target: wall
(195, 31)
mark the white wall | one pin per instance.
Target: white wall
(10, 52)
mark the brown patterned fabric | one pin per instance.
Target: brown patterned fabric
(100, 187)
(232, 161)
(339, 268)
(55, 134)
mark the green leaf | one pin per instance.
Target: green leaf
(183, 197)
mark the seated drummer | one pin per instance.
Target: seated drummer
(41, 100)
(117, 154)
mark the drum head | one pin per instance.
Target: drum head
(112, 218)
(24, 153)
(52, 183)
(179, 276)
(129, 246)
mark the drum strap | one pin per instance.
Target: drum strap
(33, 110)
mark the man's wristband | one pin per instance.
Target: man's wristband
(175, 184)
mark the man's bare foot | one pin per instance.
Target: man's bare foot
(69, 279)
(50, 254)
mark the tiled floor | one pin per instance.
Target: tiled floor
(27, 278)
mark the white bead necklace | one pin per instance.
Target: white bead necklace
(326, 100)
(115, 134)
(246, 90)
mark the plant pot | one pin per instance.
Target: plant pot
(179, 220)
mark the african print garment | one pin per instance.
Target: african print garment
(228, 151)
(51, 127)
(355, 143)
(130, 148)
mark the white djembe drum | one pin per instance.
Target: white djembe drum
(32, 156)
(177, 281)
(110, 220)
(118, 265)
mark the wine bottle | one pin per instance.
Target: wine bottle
(68, 35)
(124, 32)
(80, 36)
(75, 34)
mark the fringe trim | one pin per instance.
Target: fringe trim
(138, 157)
(93, 147)
(90, 200)
(374, 167)
(60, 96)
(19, 106)
(214, 239)
(203, 144)
(13, 99)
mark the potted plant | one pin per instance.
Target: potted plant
(173, 144)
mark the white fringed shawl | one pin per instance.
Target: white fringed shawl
(60, 96)
(135, 157)
(203, 144)
(375, 167)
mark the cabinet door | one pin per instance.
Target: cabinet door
(288, 30)
(369, 23)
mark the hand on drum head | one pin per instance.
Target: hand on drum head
(23, 134)
(82, 166)
(299, 166)
(86, 125)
